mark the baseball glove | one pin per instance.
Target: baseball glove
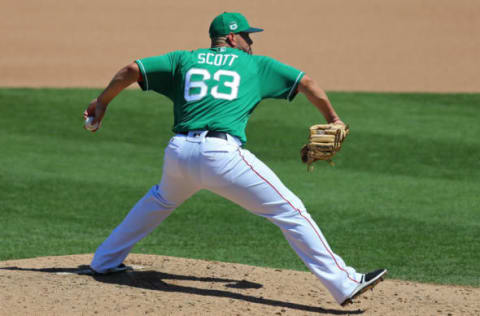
(324, 142)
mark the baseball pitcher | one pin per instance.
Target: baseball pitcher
(214, 91)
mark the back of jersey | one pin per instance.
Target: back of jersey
(216, 89)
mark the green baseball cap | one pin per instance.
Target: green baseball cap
(230, 22)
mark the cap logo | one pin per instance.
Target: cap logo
(233, 26)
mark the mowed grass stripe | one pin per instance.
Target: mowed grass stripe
(403, 194)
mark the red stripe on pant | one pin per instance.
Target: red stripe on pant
(299, 212)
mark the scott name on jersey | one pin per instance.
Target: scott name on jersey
(216, 59)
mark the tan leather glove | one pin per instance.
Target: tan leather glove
(324, 142)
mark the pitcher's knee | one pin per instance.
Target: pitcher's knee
(295, 206)
(159, 198)
(286, 208)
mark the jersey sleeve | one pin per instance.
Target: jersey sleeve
(277, 80)
(158, 72)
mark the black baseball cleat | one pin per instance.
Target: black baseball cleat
(118, 269)
(368, 281)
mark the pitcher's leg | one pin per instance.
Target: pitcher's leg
(306, 238)
(147, 214)
(255, 187)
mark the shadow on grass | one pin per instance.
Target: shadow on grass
(153, 280)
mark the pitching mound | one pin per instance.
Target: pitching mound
(176, 286)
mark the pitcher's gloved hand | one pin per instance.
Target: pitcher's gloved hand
(324, 142)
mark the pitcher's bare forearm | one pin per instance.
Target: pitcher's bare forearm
(122, 79)
(318, 97)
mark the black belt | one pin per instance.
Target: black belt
(221, 135)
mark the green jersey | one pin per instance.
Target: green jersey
(217, 89)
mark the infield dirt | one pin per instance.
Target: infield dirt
(162, 285)
(365, 45)
(362, 45)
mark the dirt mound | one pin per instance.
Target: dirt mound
(175, 286)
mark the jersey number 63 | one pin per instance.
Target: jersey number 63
(197, 89)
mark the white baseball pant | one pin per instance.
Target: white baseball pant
(193, 162)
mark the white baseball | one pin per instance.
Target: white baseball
(88, 124)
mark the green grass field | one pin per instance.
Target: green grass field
(404, 193)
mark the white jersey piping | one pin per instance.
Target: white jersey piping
(294, 85)
(143, 73)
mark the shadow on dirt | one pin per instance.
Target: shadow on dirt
(154, 280)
